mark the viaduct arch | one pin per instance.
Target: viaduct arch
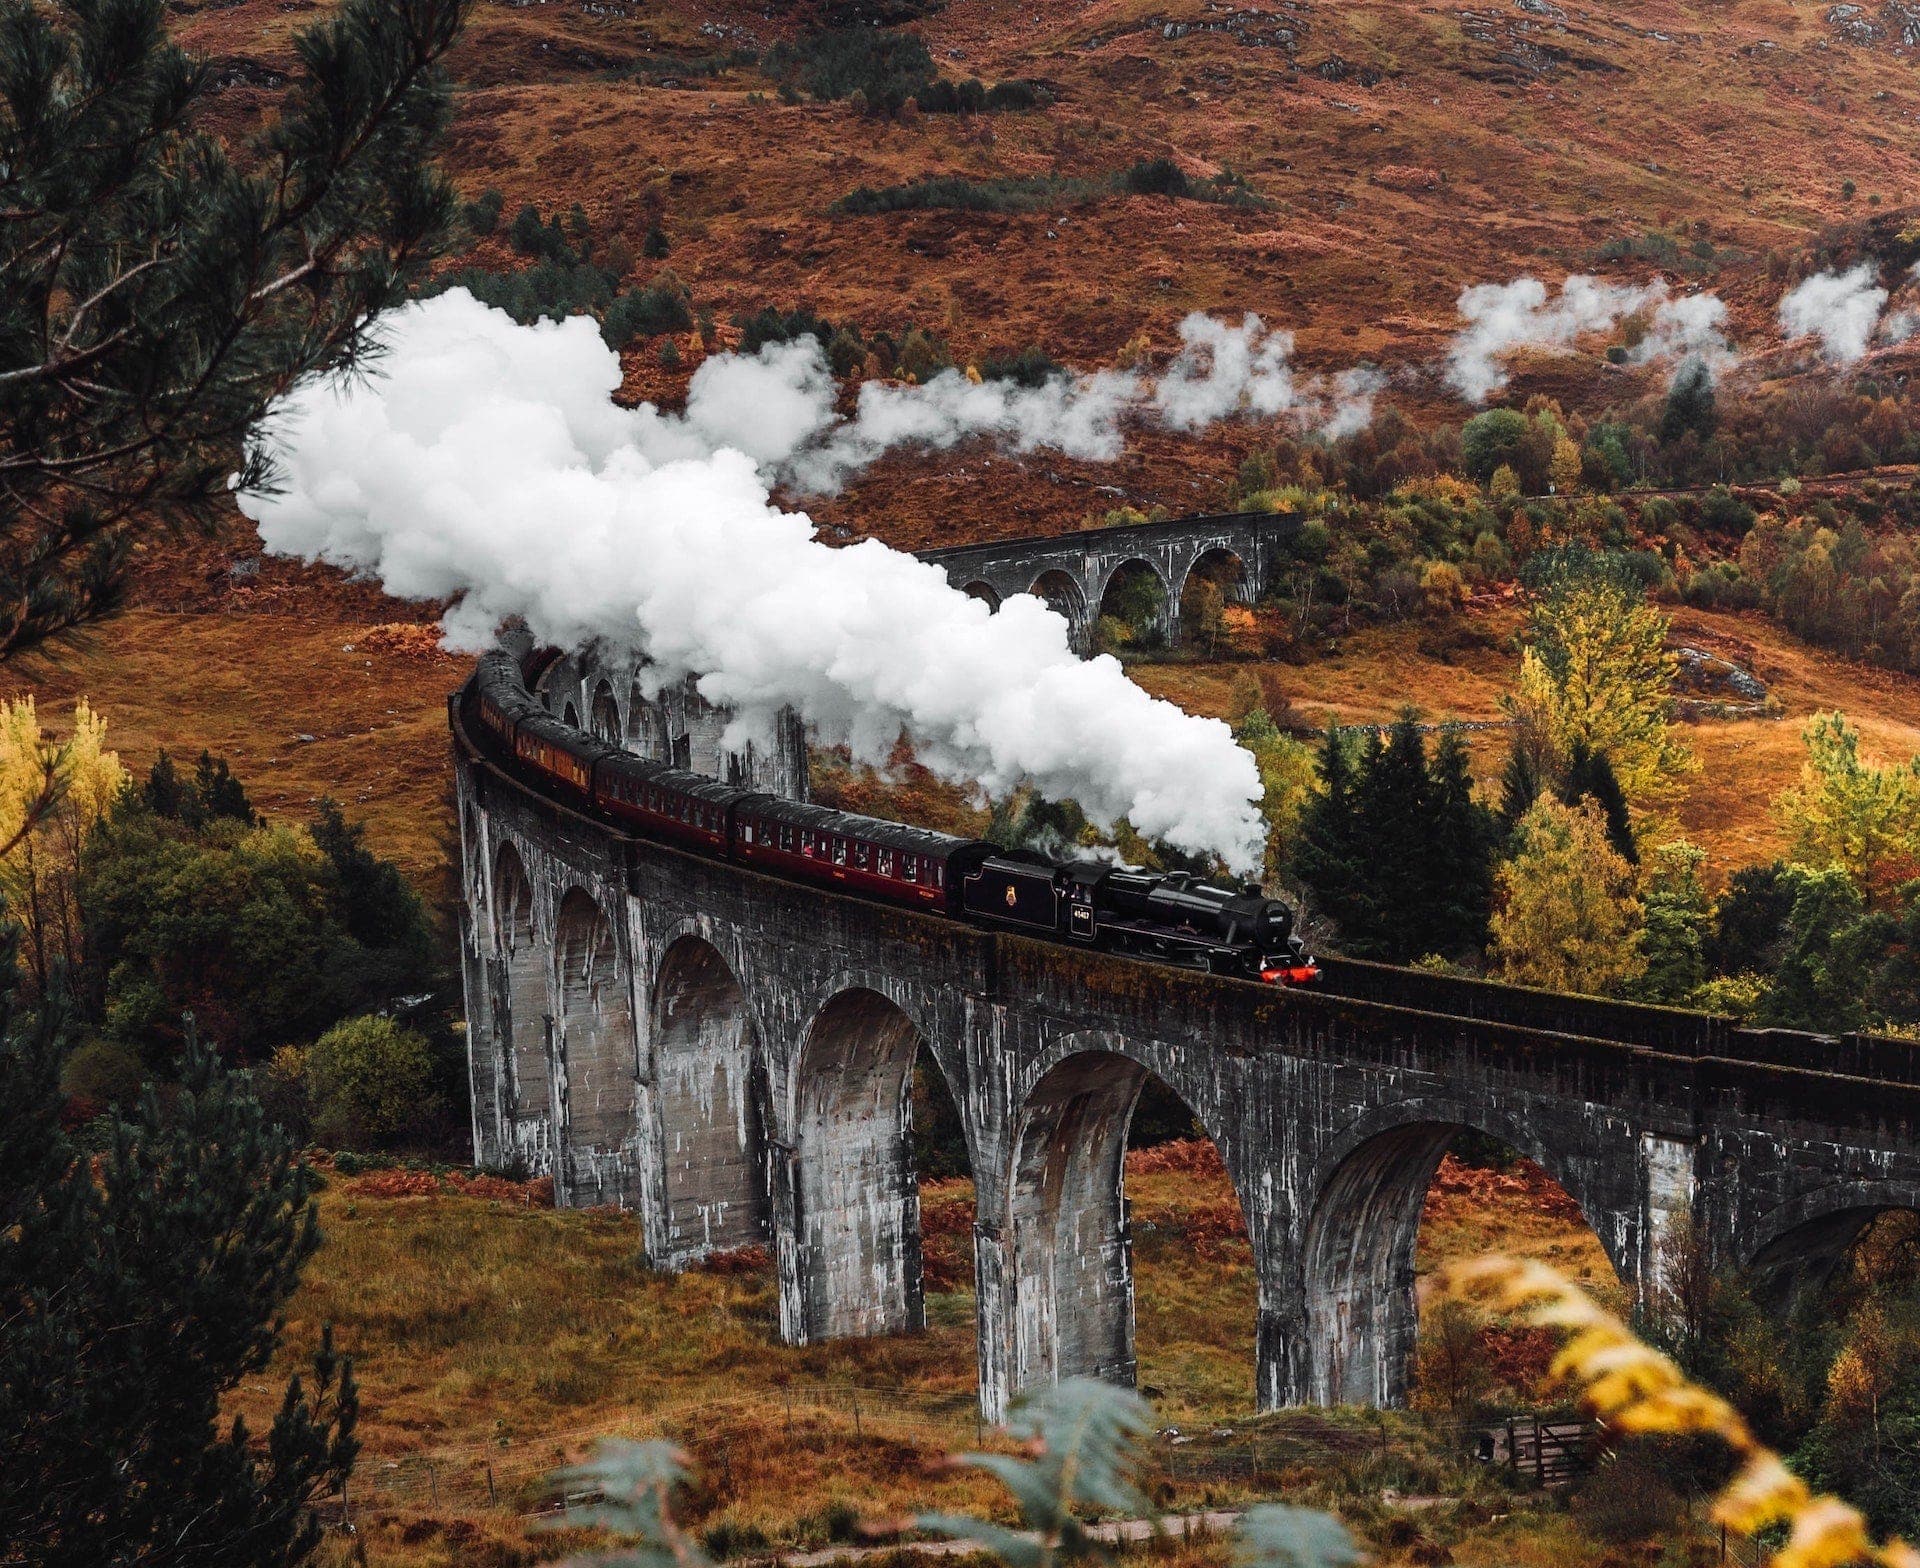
(1243, 551)
(728, 1055)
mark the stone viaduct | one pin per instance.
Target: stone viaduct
(1241, 551)
(729, 1056)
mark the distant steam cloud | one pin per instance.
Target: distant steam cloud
(779, 404)
(1223, 370)
(486, 463)
(1503, 317)
(1841, 309)
(1691, 327)
(1344, 405)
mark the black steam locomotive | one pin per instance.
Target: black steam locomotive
(1172, 917)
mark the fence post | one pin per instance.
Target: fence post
(856, 1412)
(433, 1483)
(346, 1505)
(493, 1499)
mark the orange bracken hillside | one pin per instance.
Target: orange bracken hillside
(1400, 150)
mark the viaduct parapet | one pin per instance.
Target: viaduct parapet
(729, 1056)
(1244, 552)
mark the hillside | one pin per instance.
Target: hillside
(1393, 153)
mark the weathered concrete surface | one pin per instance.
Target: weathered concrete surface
(729, 1056)
(1245, 552)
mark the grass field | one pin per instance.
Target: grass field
(494, 1338)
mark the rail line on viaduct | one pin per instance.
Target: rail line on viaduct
(729, 1055)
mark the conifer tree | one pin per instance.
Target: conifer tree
(1397, 847)
(1690, 403)
(1520, 783)
(136, 1293)
(1330, 854)
(1464, 836)
(1590, 777)
(158, 290)
(1396, 826)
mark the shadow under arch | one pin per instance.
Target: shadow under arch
(1362, 1316)
(1217, 572)
(1222, 567)
(711, 1093)
(984, 592)
(1807, 1241)
(1136, 595)
(1063, 594)
(523, 1017)
(853, 1266)
(599, 1051)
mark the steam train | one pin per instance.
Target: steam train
(1171, 917)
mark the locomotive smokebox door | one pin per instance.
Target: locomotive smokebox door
(1013, 892)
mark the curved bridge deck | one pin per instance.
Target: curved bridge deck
(730, 1056)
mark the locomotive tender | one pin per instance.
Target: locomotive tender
(1172, 917)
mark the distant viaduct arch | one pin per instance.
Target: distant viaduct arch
(1073, 572)
(728, 1055)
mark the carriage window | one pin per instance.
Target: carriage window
(839, 852)
(907, 869)
(746, 831)
(862, 857)
(886, 862)
(938, 874)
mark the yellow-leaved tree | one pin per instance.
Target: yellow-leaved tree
(1564, 469)
(52, 796)
(1597, 671)
(1851, 814)
(1567, 914)
(1286, 782)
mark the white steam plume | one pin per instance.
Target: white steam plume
(1345, 406)
(1220, 372)
(1502, 317)
(1079, 416)
(486, 463)
(1842, 309)
(1693, 326)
